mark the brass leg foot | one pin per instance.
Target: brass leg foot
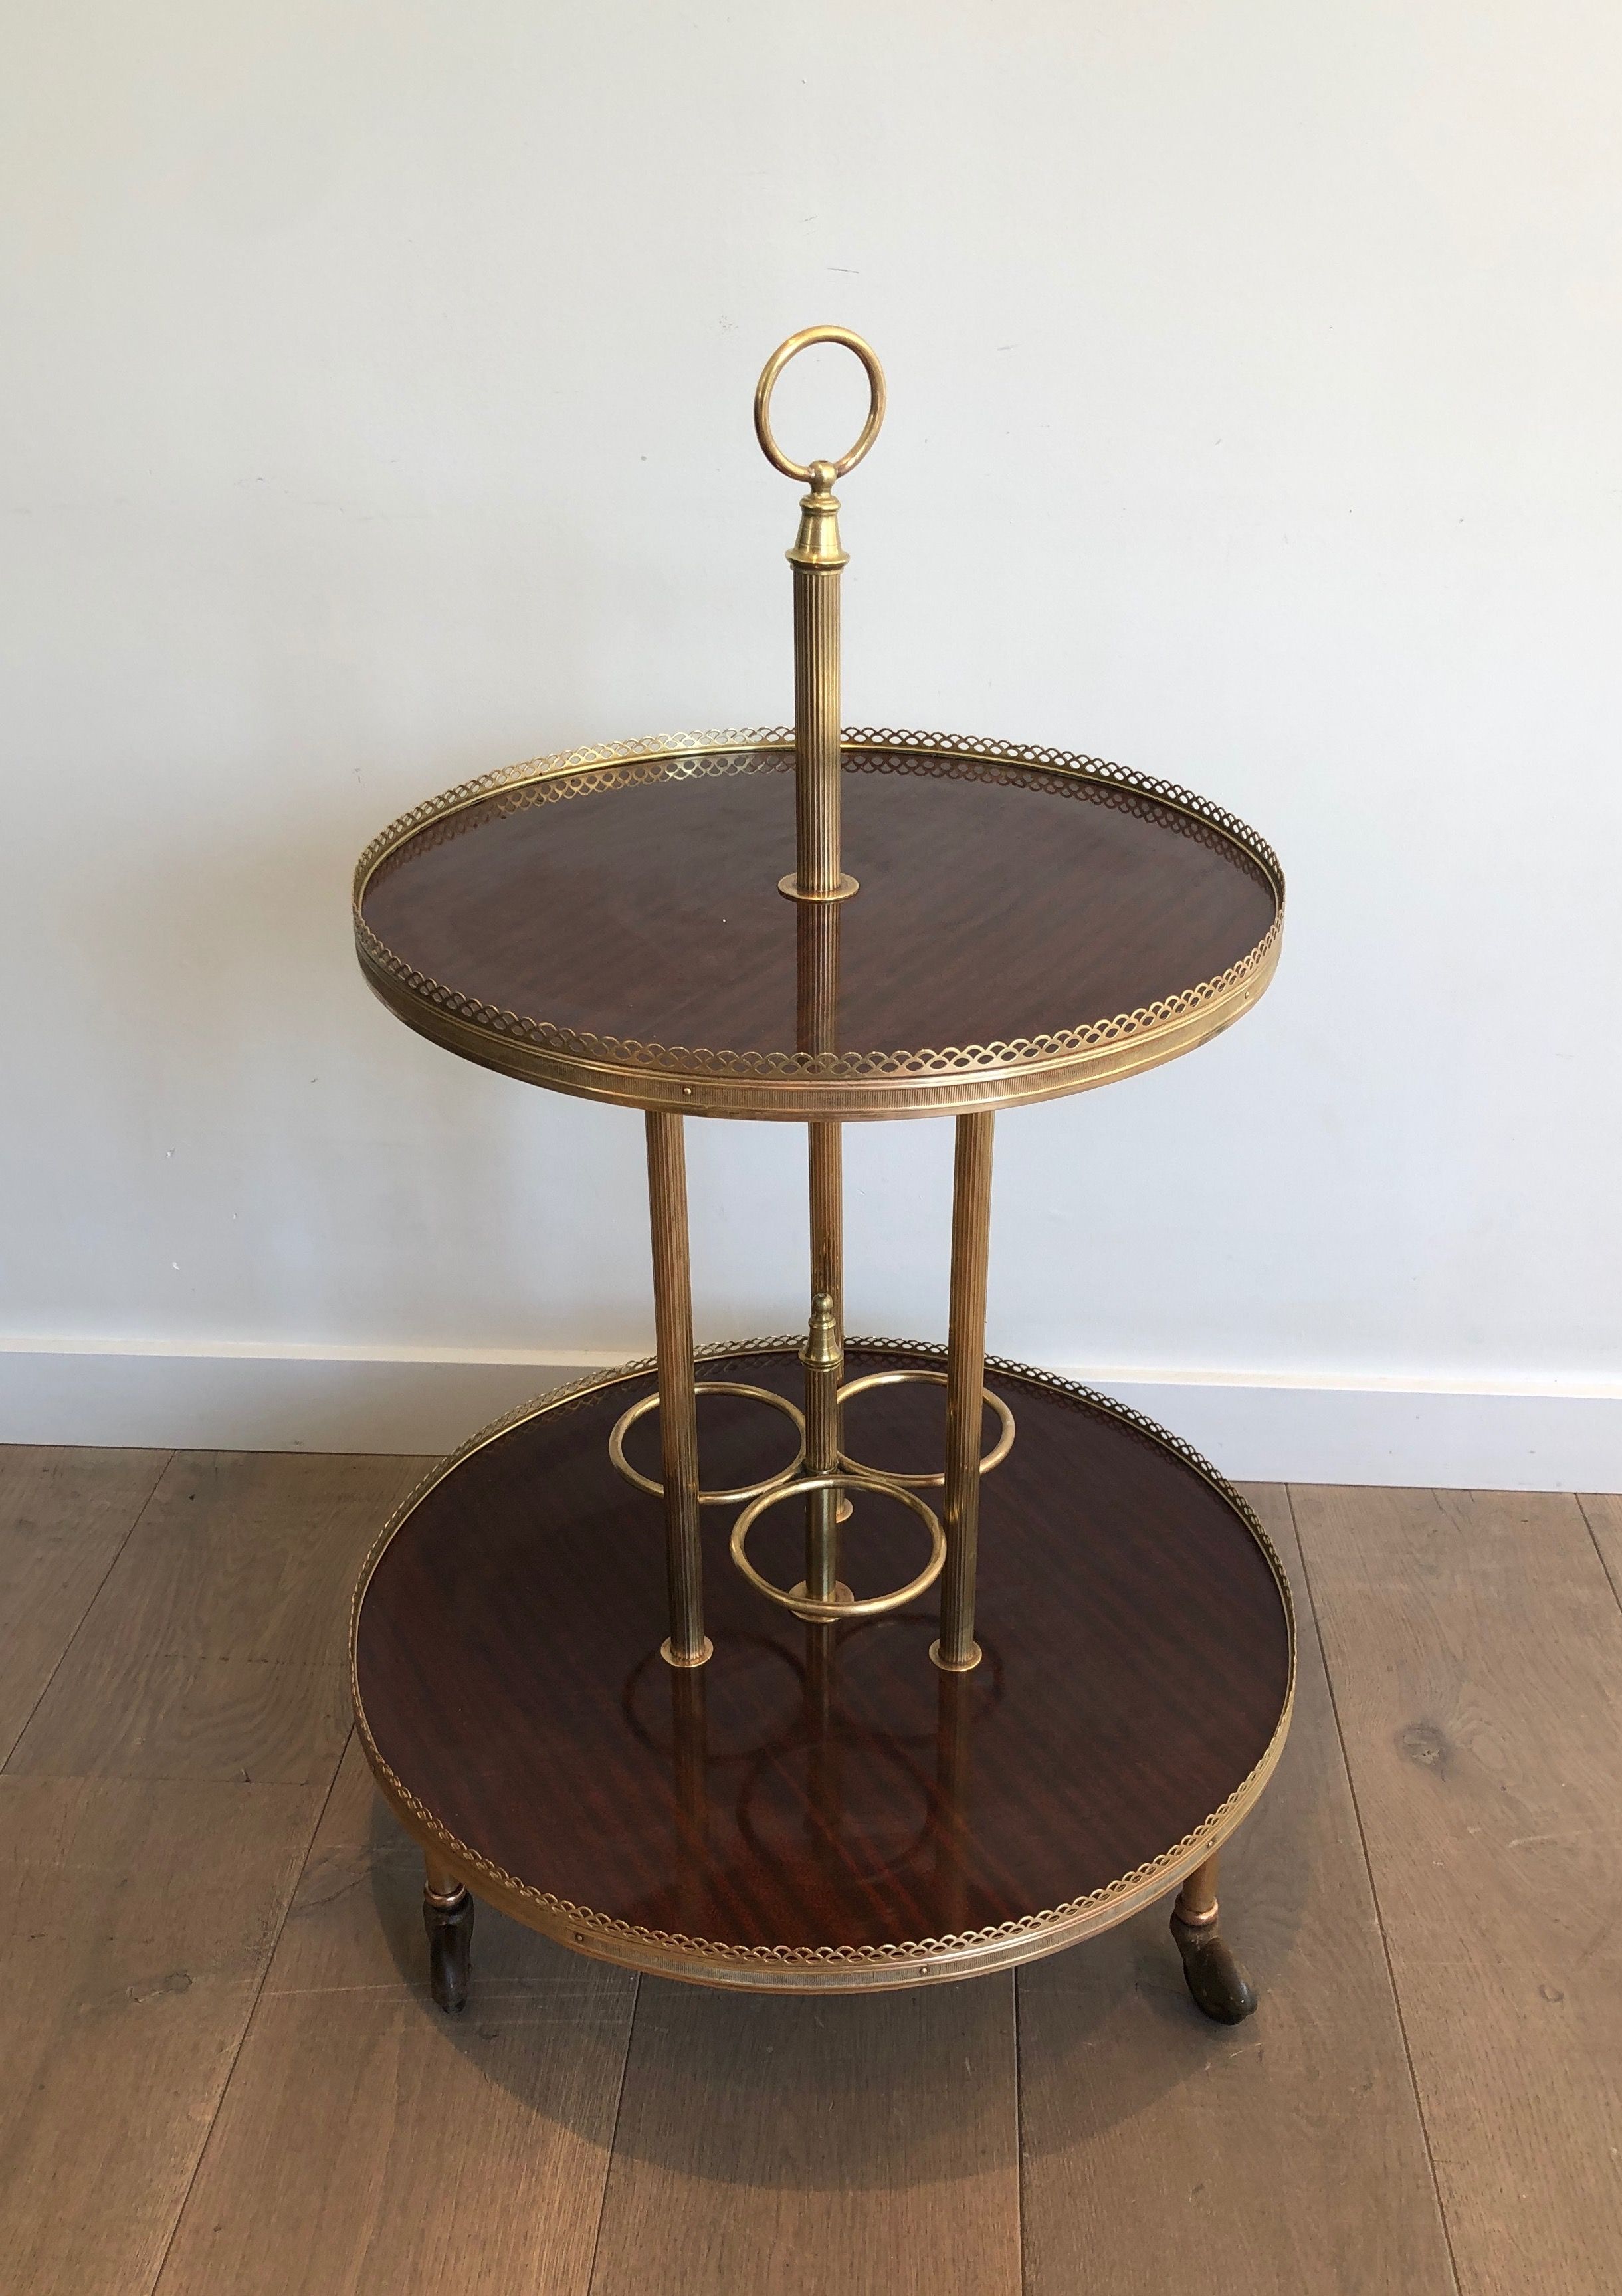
(1215, 1980)
(447, 1916)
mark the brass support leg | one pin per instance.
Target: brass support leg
(957, 1651)
(679, 1422)
(447, 1916)
(1215, 1980)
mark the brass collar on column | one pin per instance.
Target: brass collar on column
(817, 543)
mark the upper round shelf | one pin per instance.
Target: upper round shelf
(608, 923)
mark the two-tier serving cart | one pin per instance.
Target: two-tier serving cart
(817, 1663)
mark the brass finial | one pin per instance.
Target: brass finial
(817, 543)
(822, 1351)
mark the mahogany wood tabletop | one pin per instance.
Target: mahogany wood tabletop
(812, 1787)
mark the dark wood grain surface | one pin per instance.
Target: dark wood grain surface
(1136, 1667)
(987, 912)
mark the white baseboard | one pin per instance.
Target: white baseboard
(1464, 1438)
(243, 1396)
(234, 1395)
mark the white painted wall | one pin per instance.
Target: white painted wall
(376, 392)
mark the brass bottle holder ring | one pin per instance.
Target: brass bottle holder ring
(871, 1606)
(993, 1458)
(627, 1420)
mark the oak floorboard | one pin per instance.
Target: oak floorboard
(371, 2144)
(137, 1920)
(1476, 1649)
(862, 2146)
(1285, 2154)
(1602, 1512)
(215, 1647)
(63, 1516)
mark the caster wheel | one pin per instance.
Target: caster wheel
(1217, 1983)
(450, 1949)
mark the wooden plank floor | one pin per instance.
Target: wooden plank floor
(219, 2068)
(1285, 2154)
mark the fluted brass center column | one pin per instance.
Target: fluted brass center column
(819, 884)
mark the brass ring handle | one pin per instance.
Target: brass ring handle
(767, 383)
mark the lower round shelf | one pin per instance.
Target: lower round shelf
(819, 1808)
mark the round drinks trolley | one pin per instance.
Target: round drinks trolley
(818, 1663)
